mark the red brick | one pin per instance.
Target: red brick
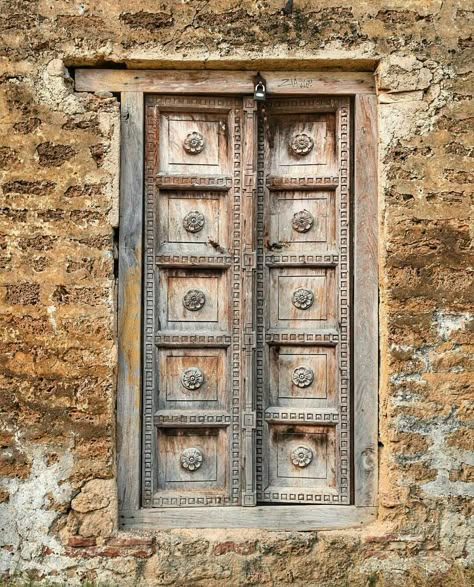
(79, 541)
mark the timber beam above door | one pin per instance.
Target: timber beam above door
(221, 82)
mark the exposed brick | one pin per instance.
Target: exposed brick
(147, 20)
(29, 188)
(80, 541)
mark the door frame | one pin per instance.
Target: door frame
(132, 85)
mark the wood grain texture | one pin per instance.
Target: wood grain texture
(222, 82)
(249, 495)
(365, 302)
(305, 303)
(129, 300)
(309, 517)
(183, 257)
(310, 82)
(193, 301)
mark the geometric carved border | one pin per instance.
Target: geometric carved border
(343, 270)
(149, 391)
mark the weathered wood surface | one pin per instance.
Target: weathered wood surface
(365, 302)
(303, 518)
(130, 300)
(249, 494)
(193, 308)
(305, 461)
(328, 82)
(222, 82)
(213, 336)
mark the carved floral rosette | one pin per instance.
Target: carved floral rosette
(194, 143)
(302, 298)
(191, 459)
(192, 378)
(302, 221)
(194, 221)
(301, 144)
(194, 300)
(302, 377)
(301, 456)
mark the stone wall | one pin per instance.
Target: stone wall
(59, 154)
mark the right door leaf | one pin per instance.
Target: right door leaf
(303, 256)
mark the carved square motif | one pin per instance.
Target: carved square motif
(192, 459)
(298, 219)
(192, 378)
(194, 143)
(302, 456)
(189, 221)
(301, 296)
(193, 300)
(306, 375)
(303, 144)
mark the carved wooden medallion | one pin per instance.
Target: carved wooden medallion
(194, 221)
(302, 298)
(301, 144)
(191, 459)
(194, 300)
(302, 377)
(192, 378)
(301, 456)
(302, 221)
(194, 143)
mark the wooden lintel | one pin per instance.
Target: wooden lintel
(220, 82)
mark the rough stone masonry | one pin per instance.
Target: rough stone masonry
(59, 157)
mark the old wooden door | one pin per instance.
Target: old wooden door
(246, 309)
(302, 393)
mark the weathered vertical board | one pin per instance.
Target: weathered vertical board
(249, 495)
(365, 301)
(130, 299)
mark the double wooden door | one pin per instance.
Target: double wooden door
(246, 302)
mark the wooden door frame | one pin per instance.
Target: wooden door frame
(132, 85)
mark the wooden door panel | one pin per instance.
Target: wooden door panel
(302, 144)
(192, 328)
(194, 143)
(197, 376)
(303, 376)
(191, 221)
(193, 299)
(302, 219)
(303, 402)
(301, 296)
(192, 459)
(301, 458)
